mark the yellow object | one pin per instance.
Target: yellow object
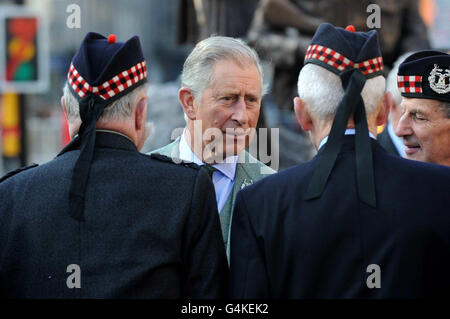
(380, 129)
(10, 124)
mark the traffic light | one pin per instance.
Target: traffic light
(24, 68)
(24, 56)
(21, 49)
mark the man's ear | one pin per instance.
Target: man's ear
(187, 98)
(140, 114)
(385, 107)
(302, 114)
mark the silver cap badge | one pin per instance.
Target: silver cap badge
(437, 80)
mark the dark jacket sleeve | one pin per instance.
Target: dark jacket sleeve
(205, 267)
(247, 263)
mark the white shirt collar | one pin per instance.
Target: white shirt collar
(227, 168)
(349, 131)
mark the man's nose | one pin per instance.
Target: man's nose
(240, 114)
(403, 127)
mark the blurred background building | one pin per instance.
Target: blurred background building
(32, 127)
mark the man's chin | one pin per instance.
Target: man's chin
(412, 150)
(236, 145)
(228, 151)
(233, 150)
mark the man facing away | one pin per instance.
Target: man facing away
(102, 220)
(355, 221)
(221, 92)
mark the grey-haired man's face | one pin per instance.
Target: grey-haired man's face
(231, 104)
(425, 131)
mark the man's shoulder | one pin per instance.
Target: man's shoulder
(31, 176)
(429, 171)
(169, 154)
(171, 160)
(170, 150)
(412, 183)
(17, 171)
(280, 183)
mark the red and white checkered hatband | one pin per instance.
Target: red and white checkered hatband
(113, 86)
(340, 62)
(409, 83)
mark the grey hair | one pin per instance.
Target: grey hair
(120, 109)
(197, 69)
(322, 90)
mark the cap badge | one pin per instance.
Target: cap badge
(442, 84)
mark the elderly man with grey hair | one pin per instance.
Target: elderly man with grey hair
(221, 92)
(117, 115)
(355, 221)
(136, 226)
(424, 125)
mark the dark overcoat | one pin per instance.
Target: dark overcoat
(151, 229)
(285, 247)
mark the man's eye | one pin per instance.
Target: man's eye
(419, 117)
(252, 100)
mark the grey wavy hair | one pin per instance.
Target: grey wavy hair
(197, 72)
(118, 110)
(322, 90)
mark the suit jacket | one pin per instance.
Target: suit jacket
(385, 140)
(248, 171)
(285, 247)
(148, 229)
